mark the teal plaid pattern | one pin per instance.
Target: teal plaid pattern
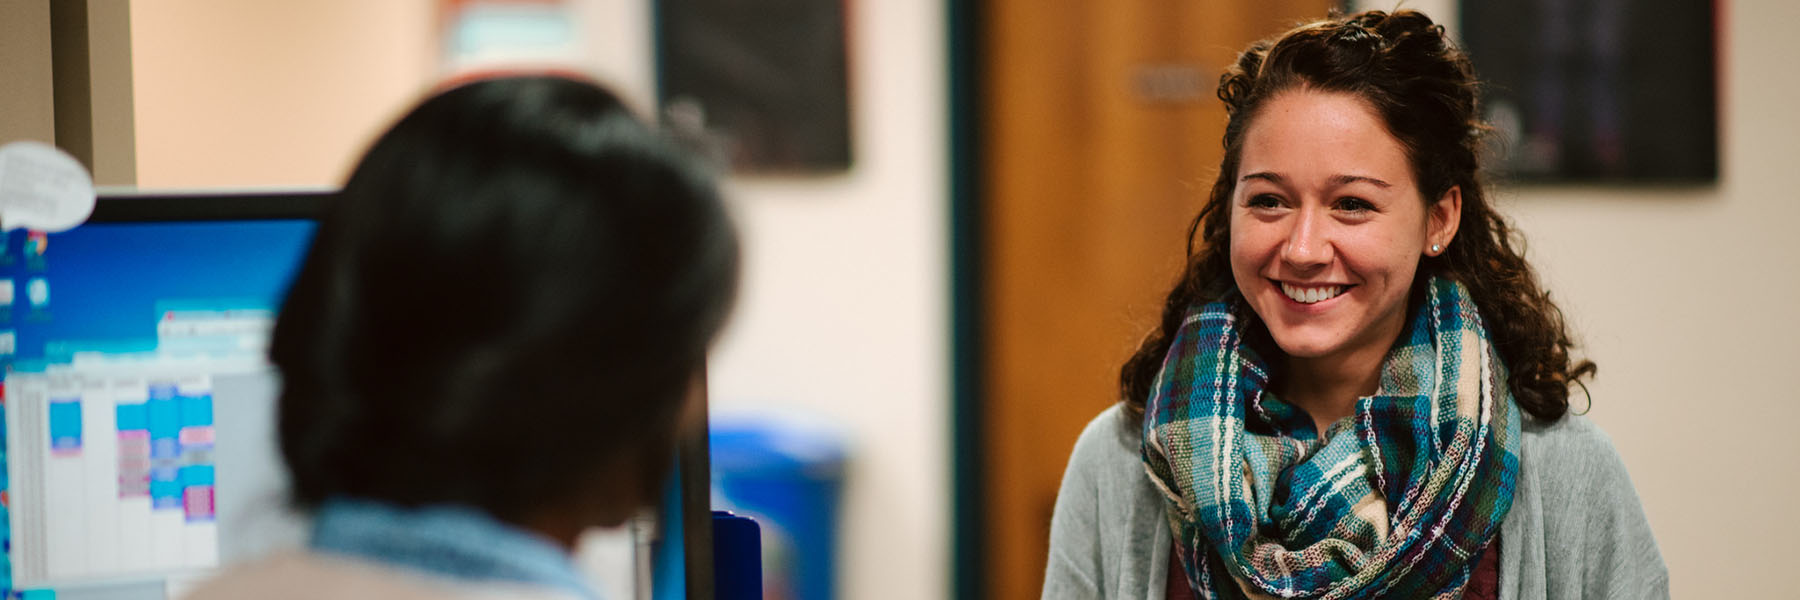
(1396, 501)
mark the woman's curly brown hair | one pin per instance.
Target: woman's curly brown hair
(1423, 87)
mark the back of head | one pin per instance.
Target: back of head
(504, 307)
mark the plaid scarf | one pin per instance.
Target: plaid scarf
(1395, 502)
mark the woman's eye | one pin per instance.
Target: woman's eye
(1354, 204)
(1263, 201)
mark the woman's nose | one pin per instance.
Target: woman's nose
(1308, 243)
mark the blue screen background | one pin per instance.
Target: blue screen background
(106, 280)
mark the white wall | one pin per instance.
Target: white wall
(1685, 299)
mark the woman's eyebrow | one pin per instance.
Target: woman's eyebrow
(1335, 179)
(1349, 179)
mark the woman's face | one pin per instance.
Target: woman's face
(1328, 226)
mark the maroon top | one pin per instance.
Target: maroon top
(1484, 583)
(1178, 588)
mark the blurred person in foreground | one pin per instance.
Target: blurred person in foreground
(1358, 388)
(492, 346)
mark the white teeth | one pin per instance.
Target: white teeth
(1311, 295)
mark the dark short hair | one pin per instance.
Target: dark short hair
(517, 285)
(1424, 89)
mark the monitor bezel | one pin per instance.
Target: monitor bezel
(157, 206)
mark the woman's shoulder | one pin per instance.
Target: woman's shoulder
(1107, 465)
(1570, 447)
(1571, 473)
(1575, 500)
(1108, 533)
(1571, 431)
(1109, 443)
(1105, 478)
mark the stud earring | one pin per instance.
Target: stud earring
(1435, 248)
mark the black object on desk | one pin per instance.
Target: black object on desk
(737, 557)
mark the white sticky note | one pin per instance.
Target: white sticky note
(43, 188)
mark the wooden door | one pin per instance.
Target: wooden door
(1101, 135)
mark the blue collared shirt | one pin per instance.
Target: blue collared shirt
(452, 541)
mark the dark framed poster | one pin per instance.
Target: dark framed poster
(1597, 91)
(765, 82)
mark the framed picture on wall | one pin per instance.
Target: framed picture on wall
(1598, 90)
(763, 82)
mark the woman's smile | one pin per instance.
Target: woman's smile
(1312, 294)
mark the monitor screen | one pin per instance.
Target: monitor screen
(139, 403)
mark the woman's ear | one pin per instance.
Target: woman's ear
(1441, 219)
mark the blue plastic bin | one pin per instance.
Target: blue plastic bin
(788, 475)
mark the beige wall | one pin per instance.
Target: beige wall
(271, 93)
(844, 314)
(845, 308)
(25, 99)
(1684, 298)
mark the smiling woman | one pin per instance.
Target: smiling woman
(1358, 388)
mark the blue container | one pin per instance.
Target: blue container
(788, 476)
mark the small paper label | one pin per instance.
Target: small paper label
(42, 188)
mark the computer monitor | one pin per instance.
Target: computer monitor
(139, 403)
(140, 444)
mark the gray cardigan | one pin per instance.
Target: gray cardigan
(1576, 529)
